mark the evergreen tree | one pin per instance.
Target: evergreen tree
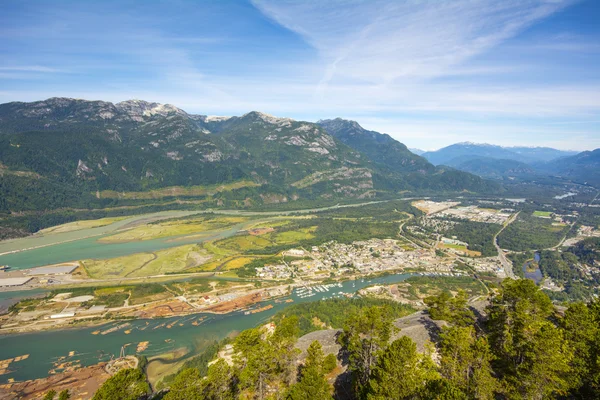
(518, 305)
(329, 363)
(401, 372)
(451, 309)
(312, 384)
(441, 389)
(532, 355)
(64, 395)
(50, 395)
(284, 343)
(265, 360)
(365, 334)
(545, 368)
(465, 360)
(593, 382)
(218, 384)
(127, 384)
(581, 326)
(186, 386)
(258, 366)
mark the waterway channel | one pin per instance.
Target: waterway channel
(54, 248)
(535, 274)
(192, 332)
(91, 247)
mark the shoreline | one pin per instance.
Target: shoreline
(87, 323)
(48, 244)
(84, 323)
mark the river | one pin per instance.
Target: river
(91, 247)
(45, 348)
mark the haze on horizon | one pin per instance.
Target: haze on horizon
(511, 72)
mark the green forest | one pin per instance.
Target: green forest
(573, 268)
(529, 232)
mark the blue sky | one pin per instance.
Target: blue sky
(429, 73)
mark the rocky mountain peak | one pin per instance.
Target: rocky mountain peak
(339, 124)
(138, 109)
(270, 119)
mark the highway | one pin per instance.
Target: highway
(507, 265)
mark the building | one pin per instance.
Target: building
(7, 282)
(53, 270)
(62, 315)
(295, 252)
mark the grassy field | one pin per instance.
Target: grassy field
(241, 243)
(78, 225)
(176, 191)
(547, 214)
(294, 236)
(115, 267)
(462, 248)
(175, 259)
(223, 255)
(237, 263)
(198, 226)
(226, 264)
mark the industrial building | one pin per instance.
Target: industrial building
(53, 270)
(7, 282)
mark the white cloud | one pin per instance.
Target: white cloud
(380, 42)
(31, 68)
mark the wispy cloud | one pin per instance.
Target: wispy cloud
(380, 42)
(32, 68)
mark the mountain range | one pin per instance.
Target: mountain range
(583, 167)
(460, 152)
(497, 162)
(65, 152)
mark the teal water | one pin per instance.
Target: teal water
(536, 275)
(45, 348)
(7, 299)
(49, 239)
(90, 247)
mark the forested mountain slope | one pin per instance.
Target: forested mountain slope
(69, 152)
(400, 166)
(583, 167)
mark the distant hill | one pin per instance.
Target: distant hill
(416, 151)
(493, 168)
(583, 167)
(496, 162)
(521, 154)
(68, 152)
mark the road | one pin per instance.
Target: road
(507, 265)
(401, 229)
